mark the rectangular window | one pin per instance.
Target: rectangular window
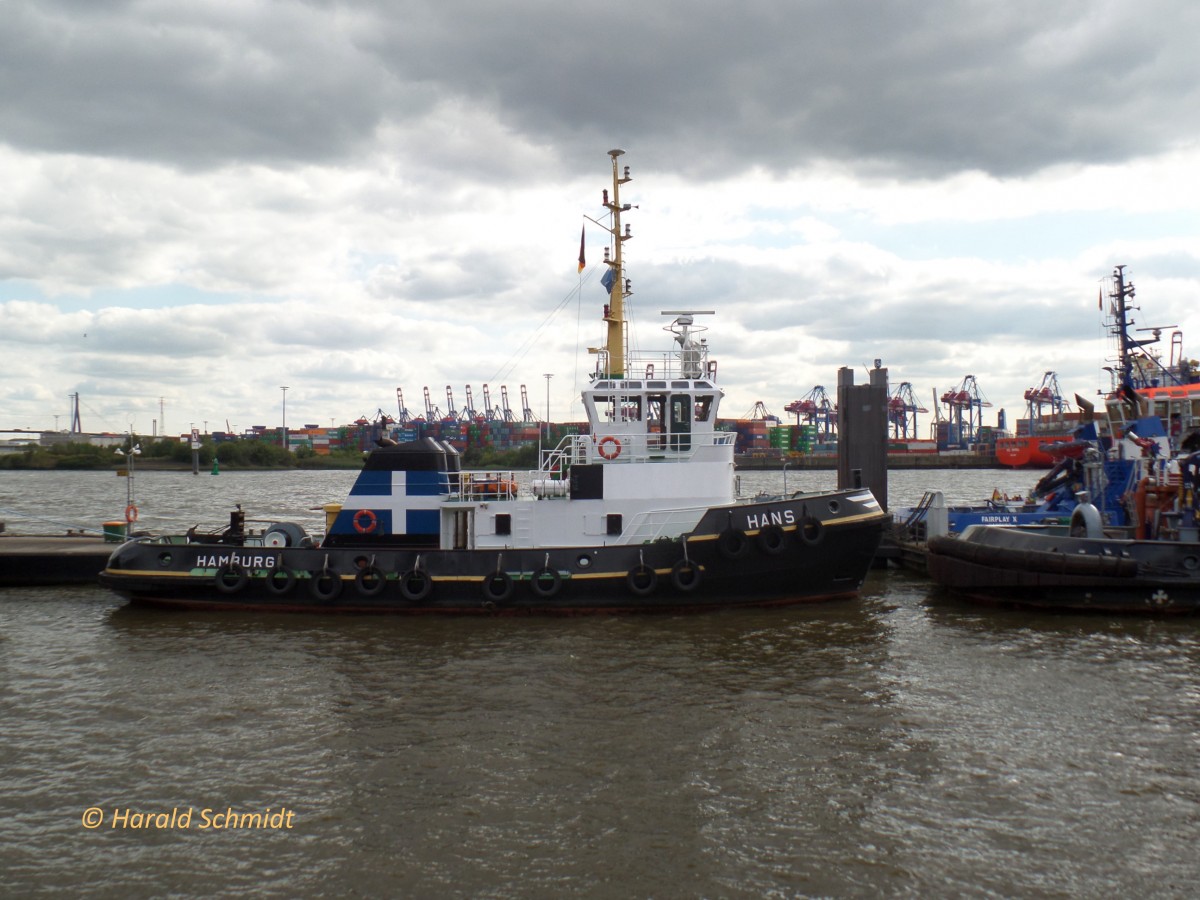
(614, 524)
(503, 523)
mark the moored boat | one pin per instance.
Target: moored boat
(1079, 568)
(1137, 552)
(641, 514)
(1027, 451)
(46, 559)
(1040, 431)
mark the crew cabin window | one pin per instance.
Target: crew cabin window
(704, 404)
(614, 524)
(618, 408)
(630, 409)
(656, 408)
(503, 523)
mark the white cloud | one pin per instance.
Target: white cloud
(341, 199)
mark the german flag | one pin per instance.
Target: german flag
(582, 261)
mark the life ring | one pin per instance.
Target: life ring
(278, 587)
(545, 582)
(641, 580)
(497, 587)
(231, 578)
(604, 447)
(771, 540)
(733, 543)
(325, 586)
(131, 513)
(369, 581)
(811, 531)
(685, 576)
(367, 526)
(415, 585)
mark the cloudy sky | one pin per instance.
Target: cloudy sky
(204, 201)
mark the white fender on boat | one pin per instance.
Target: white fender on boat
(1086, 522)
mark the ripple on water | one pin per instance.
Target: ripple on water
(883, 746)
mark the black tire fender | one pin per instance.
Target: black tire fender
(370, 581)
(497, 587)
(277, 586)
(771, 540)
(231, 578)
(686, 576)
(641, 580)
(415, 585)
(811, 531)
(733, 543)
(325, 586)
(545, 582)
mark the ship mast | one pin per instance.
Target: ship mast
(1129, 357)
(1121, 294)
(614, 313)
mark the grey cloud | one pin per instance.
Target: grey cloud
(916, 87)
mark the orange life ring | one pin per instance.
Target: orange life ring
(365, 521)
(604, 451)
(131, 513)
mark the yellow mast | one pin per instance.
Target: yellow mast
(615, 318)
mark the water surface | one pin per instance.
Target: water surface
(898, 744)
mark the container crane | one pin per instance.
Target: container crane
(902, 409)
(760, 411)
(469, 414)
(964, 407)
(527, 412)
(489, 412)
(432, 413)
(506, 413)
(404, 416)
(1045, 398)
(451, 412)
(816, 409)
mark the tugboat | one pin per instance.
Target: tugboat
(640, 514)
(1140, 553)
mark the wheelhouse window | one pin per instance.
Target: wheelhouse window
(616, 407)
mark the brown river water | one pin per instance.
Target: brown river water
(901, 744)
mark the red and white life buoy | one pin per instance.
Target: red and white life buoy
(131, 514)
(610, 447)
(365, 521)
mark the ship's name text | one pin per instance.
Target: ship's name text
(250, 562)
(771, 517)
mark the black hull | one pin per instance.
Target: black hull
(34, 561)
(1011, 568)
(774, 566)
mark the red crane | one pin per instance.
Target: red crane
(964, 411)
(815, 408)
(902, 412)
(1046, 397)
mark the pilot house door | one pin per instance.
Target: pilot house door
(680, 425)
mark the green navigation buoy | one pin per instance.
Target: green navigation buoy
(216, 466)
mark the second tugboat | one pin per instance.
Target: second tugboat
(639, 515)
